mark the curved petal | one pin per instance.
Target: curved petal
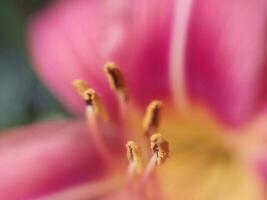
(226, 56)
(74, 39)
(41, 159)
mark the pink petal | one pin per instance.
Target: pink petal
(74, 39)
(226, 56)
(43, 158)
(261, 166)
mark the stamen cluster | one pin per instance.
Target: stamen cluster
(96, 114)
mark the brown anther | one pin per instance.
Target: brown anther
(134, 155)
(80, 86)
(160, 148)
(152, 117)
(116, 80)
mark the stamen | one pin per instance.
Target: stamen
(95, 115)
(134, 157)
(160, 149)
(152, 118)
(116, 80)
(95, 102)
(91, 98)
(80, 86)
(117, 83)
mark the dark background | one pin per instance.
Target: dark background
(23, 99)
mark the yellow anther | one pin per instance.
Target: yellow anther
(91, 98)
(152, 117)
(134, 156)
(80, 86)
(88, 94)
(116, 80)
(160, 148)
(94, 101)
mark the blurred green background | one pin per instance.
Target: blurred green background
(23, 99)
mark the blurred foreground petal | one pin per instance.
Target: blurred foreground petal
(43, 158)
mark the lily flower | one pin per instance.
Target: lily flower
(169, 98)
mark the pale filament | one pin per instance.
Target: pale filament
(149, 169)
(93, 125)
(134, 157)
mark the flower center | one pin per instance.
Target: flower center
(204, 161)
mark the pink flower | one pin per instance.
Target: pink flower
(204, 60)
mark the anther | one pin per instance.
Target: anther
(116, 80)
(80, 86)
(91, 99)
(94, 101)
(134, 156)
(84, 91)
(160, 147)
(152, 117)
(160, 150)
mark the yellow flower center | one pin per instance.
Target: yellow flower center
(205, 161)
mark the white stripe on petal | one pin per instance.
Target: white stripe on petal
(177, 52)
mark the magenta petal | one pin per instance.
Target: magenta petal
(226, 56)
(74, 39)
(40, 159)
